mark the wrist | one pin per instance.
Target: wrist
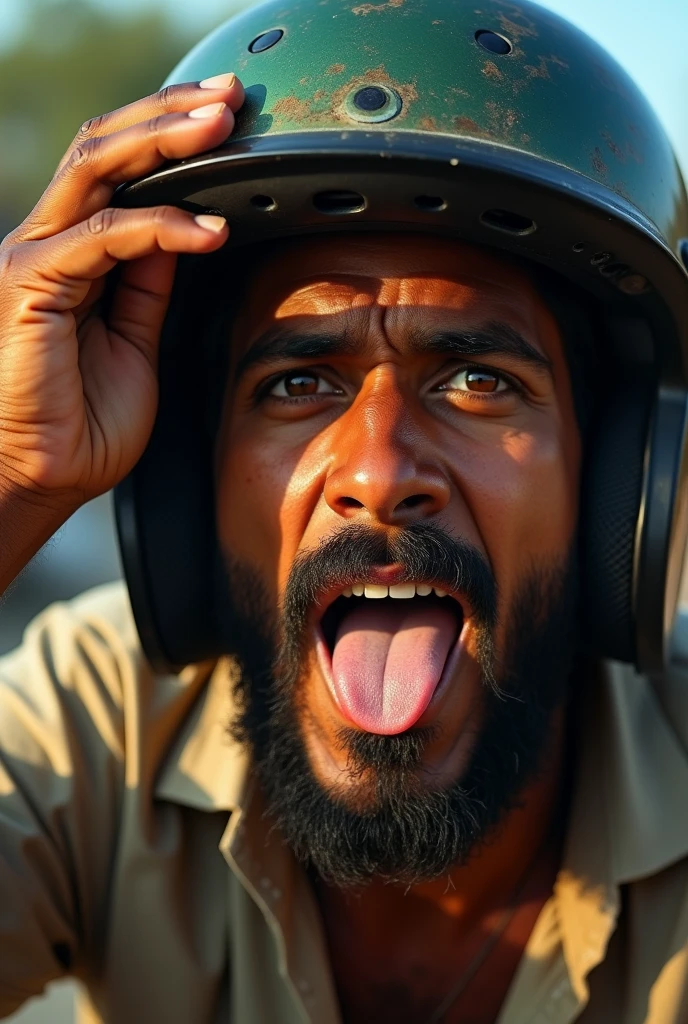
(27, 520)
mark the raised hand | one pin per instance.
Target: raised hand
(78, 394)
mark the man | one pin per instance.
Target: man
(401, 493)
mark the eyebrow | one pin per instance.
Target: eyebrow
(494, 338)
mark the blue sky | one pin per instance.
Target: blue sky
(649, 38)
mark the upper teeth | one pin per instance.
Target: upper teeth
(396, 590)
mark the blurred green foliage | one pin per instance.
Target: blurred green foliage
(73, 61)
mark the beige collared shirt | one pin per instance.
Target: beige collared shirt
(134, 854)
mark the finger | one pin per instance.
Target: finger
(57, 272)
(95, 169)
(141, 301)
(173, 99)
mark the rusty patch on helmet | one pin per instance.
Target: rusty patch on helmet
(502, 120)
(324, 107)
(621, 154)
(515, 32)
(291, 108)
(335, 69)
(428, 124)
(598, 164)
(490, 70)
(544, 66)
(470, 127)
(370, 8)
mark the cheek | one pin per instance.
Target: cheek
(523, 495)
(266, 494)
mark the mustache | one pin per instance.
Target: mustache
(425, 550)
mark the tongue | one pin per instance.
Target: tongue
(387, 662)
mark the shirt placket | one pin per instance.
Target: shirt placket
(277, 885)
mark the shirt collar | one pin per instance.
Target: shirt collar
(206, 768)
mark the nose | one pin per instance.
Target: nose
(384, 468)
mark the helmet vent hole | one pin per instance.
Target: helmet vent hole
(614, 269)
(433, 203)
(600, 258)
(339, 202)
(509, 222)
(265, 203)
(265, 40)
(493, 41)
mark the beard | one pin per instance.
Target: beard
(398, 828)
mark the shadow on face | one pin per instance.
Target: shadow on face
(398, 430)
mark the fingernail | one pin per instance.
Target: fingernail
(209, 222)
(210, 110)
(218, 82)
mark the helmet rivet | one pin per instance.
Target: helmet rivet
(633, 284)
(493, 42)
(265, 40)
(369, 99)
(372, 104)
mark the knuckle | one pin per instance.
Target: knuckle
(101, 222)
(168, 96)
(83, 155)
(156, 123)
(8, 258)
(11, 239)
(89, 129)
(13, 267)
(163, 214)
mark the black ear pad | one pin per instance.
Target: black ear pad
(165, 507)
(611, 497)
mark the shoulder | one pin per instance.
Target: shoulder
(73, 645)
(80, 688)
(65, 682)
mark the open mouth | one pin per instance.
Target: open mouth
(385, 651)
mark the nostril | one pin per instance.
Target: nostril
(413, 501)
(346, 502)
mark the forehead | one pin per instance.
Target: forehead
(409, 277)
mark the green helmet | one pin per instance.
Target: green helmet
(503, 125)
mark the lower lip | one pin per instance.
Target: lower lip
(450, 667)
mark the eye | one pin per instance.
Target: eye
(477, 380)
(302, 383)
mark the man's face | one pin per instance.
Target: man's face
(399, 415)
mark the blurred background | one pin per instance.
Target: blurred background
(62, 61)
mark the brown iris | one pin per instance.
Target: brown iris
(301, 384)
(482, 381)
